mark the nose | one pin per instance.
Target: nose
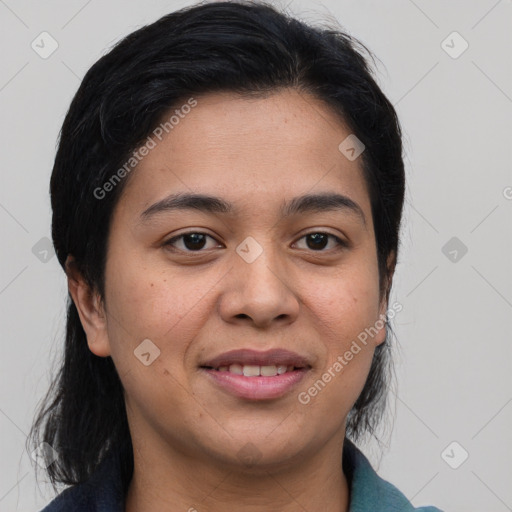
(260, 292)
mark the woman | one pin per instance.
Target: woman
(227, 196)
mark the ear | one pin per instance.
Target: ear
(380, 337)
(90, 309)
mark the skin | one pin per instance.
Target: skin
(186, 432)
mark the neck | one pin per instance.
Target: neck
(181, 482)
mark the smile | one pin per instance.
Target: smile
(249, 370)
(255, 375)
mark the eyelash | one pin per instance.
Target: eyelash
(341, 243)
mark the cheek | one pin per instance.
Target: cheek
(349, 303)
(145, 299)
(166, 307)
(346, 310)
(150, 305)
(342, 311)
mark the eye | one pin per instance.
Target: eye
(318, 241)
(193, 241)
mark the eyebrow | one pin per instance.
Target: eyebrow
(309, 203)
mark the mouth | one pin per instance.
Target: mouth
(253, 370)
(254, 375)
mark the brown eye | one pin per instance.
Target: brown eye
(190, 242)
(318, 241)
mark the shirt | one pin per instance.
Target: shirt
(104, 492)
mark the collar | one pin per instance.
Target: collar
(105, 492)
(368, 491)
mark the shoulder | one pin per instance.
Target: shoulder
(103, 492)
(368, 491)
(77, 498)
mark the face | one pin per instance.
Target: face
(288, 285)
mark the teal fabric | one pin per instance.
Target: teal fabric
(104, 491)
(370, 492)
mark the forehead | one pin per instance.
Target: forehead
(249, 150)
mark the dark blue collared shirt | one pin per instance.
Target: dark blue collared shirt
(104, 491)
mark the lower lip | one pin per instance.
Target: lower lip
(257, 388)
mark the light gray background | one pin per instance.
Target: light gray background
(454, 358)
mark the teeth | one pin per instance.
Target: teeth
(249, 370)
(236, 368)
(268, 371)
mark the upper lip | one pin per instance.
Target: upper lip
(273, 357)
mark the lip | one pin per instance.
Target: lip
(258, 387)
(271, 357)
